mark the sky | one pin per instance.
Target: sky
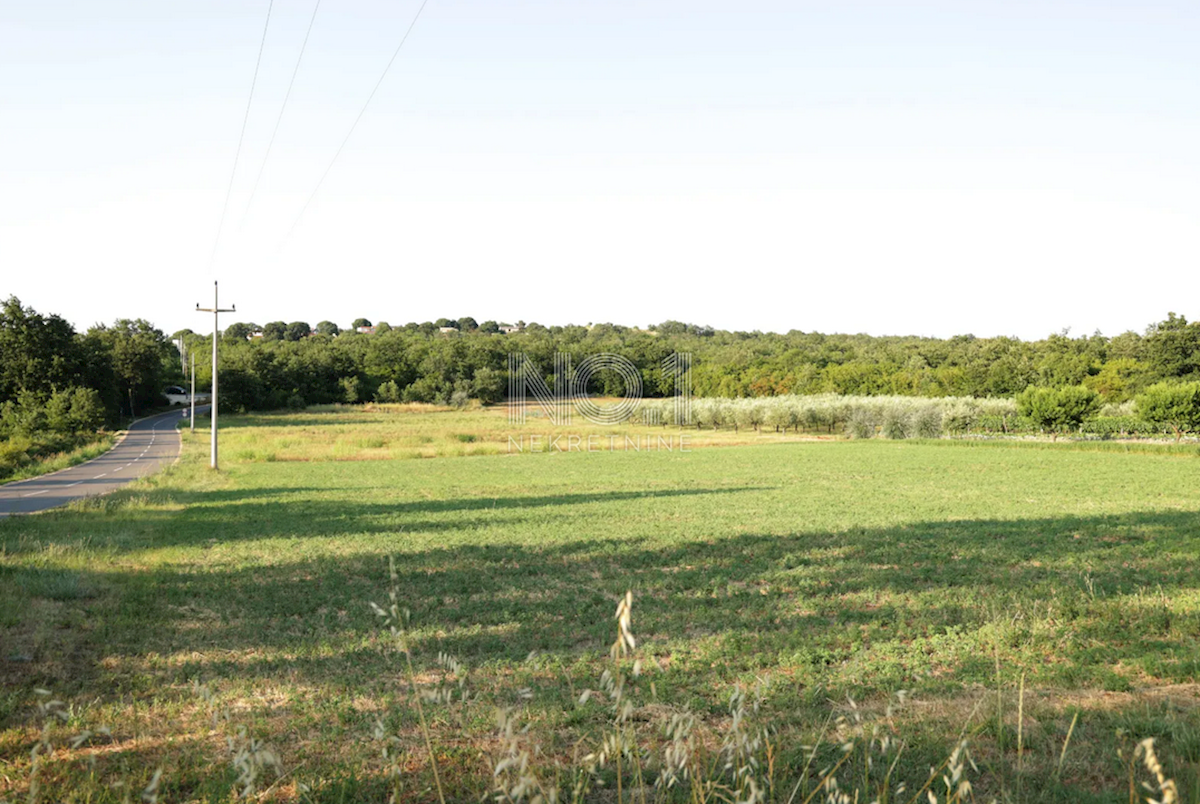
(932, 168)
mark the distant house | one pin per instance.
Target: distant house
(509, 329)
(255, 335)
(447, 330)
(365, 330)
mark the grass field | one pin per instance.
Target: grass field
(1021, 594)
(397, 432)
(16, 467)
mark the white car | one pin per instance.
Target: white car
(179, 396)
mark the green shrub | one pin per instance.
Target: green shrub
(26, 415)
(14, 453)
(389, 392)
(1057, 410)
(1173, 405)
(75, 410)
(488, 386)
(426, 389)
(351, 389)
(87, 413)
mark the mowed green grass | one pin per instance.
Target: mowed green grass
(849, 569)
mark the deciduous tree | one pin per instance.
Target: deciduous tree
(1174, 405)
(1058, 409)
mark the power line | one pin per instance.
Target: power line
(241, 137)
(279, 119)
(353, 126)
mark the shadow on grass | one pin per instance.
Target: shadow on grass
(1099, 603)
(236, 515)
(1107, 598)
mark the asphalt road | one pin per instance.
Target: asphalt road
(150, 444)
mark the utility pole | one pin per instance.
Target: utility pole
(216, 311)
(184, 353)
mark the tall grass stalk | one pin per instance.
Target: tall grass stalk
(1063, 754)
(735, 763)
(397, 622)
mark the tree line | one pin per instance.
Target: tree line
(58, 387)
(122, 368)
(451, 360)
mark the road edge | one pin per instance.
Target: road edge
(121, 436)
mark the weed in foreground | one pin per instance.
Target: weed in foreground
(641, 752)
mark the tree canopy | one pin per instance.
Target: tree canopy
(1174, 405)
(416, 362)
(124, 366)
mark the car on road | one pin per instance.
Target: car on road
(177, 395)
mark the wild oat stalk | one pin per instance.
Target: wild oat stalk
(1063, 754)
(742, 743)
(397, 622)
(514, 774)
(391, 753)
(51, 711)
(250, 756)
(1145, 750)
(952, 773)
(621, 742)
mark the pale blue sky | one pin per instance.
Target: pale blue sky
(930, 168)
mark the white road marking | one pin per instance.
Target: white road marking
(125, 447)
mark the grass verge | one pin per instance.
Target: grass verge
(61, 460)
